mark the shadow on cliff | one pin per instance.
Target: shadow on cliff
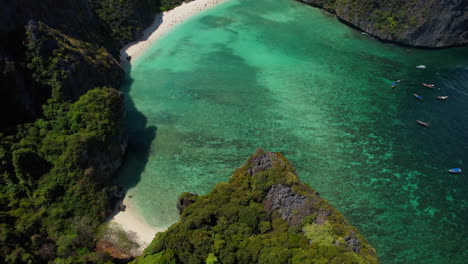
(140, 137)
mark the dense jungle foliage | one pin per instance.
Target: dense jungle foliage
(51, 202)
(127, 18)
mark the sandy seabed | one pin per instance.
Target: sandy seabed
(163, 23)
(130, 220)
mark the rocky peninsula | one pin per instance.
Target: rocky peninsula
(263, 214)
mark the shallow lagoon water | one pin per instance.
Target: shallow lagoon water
(287, 77)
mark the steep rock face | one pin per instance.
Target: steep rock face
(63, 67)
(291, 206)
(53, 65)
(22, 96)
(80, 34)
(73, 17)
(420, 23)
(103, 158)
(264, 214)
(105, 163)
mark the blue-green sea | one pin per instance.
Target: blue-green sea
(287, 77)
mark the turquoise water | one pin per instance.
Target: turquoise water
(286, 77)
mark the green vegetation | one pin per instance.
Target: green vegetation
(55, 61)
(54, 196)
(388, 18)
(235, 223)
(51, 200)
(320, 234)
(126, 18)
(49, 55)
(59, 132)
(123, 16)
(120, 239)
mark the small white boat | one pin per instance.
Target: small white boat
(445, 97)
(421, 67)
(424, 124)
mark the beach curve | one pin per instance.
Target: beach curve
(129, 219)
(162, 24)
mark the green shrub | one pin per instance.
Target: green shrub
(211, 259)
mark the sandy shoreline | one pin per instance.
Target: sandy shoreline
(163, 23)
(129, 219)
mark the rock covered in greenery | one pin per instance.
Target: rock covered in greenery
(66, 68)
(429, 23)
(54, 179)
(64, 48)
(186, 199)
(263, 214)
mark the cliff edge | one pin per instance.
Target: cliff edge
(428, 23)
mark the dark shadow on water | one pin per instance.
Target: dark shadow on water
(140, 137)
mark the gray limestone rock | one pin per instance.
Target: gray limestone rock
(420, 23)
(291, 206)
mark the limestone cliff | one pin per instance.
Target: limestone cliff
(62, 45)
(104, 158)
(66, 68)
(264, 214)
(420, 23)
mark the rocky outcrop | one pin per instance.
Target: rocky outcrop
(185, 199)
(263, 214)
(262, 163)
(291, 206)
(104, 162)
(102, 159)
(66, 68)
(75, 40)
(428, 23)
(22, 96)
(113, 250)
(118, 243)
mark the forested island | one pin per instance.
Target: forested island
(63, 137)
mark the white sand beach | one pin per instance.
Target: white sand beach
(162, 23)
(129, 219)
